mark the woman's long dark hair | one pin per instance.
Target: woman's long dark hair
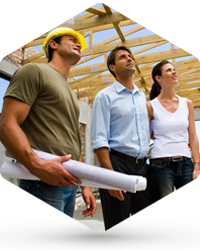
(157, 71)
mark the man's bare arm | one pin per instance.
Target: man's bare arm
(50, 171)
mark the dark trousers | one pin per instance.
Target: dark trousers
(166, 176)
(114, 210)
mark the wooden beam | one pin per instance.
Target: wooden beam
(91, 39)
(130, 43)
(93, 92)
(96, 11)
(190, 77)
(121, 36)
(89, 15)
(34, 43)
(182, 80)
(87, 91)
(92, 81)
(107, 9)
(159, 56)
(87, 69)
(32, 58)
(115, 24)
(96, 21)
(106, 27)
(74, 83)
(187, 86)
(148, 47)
(41, 39)
(153, 57)
(88, 59)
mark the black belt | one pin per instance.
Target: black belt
(173, 159)
(128, 157)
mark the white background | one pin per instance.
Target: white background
(27, 223)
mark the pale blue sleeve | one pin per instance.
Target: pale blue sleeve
(100, 124)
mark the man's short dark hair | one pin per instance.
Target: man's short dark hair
(50, 50)
(111, 57)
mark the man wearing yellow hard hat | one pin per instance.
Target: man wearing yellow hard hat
(40, 111)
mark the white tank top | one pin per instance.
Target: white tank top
(170, 130)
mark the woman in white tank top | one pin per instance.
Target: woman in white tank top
(172, 122)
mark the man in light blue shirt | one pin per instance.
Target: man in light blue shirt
(120, 136)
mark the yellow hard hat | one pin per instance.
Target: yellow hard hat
(63, 32)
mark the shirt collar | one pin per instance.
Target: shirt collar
(119, 87)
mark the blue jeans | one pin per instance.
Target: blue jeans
(62, 199)
(165, 176)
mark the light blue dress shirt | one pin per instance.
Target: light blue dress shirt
(120, 120)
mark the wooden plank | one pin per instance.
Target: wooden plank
(191, 94)
(34, 43)
(74, 83)
(91, 39)
(87, 69)
(119, 32)
(148, 47)
(96, 21)
(92, 81)
(159, 56)
(93, 92)
(107, 8)
(153, 57)
(186, 72)
(41, 60)
(187, 86)
(194, 66)
(24, 53)
(96, 11)
(130, 43)
(115, 24)
(88, 15)
(190, 77)
(32, 58)
(106, 27)
(88, 59)
(89, 90)
(182, 80)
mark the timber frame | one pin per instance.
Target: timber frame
(88, 80)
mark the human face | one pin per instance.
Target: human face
(69, 48)
(169, 76)
(124, 64)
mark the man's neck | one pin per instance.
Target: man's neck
(127, 83)
(61, 66)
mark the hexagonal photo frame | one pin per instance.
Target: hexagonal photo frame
(104, 29)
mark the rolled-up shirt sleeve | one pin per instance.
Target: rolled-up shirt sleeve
(100, 124)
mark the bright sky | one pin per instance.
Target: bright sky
(99, 37)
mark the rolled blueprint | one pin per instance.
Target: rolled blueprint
(90, 175)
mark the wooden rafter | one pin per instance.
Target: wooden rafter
(115, 24)
(96, 11)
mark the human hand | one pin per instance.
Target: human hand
(53, 173)
(90, 201)
(117, 194)
(195, 172)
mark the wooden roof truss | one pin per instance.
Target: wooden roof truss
(88, 80)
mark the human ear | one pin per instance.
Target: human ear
(112, 67)
(158, 78)
(53, 44)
